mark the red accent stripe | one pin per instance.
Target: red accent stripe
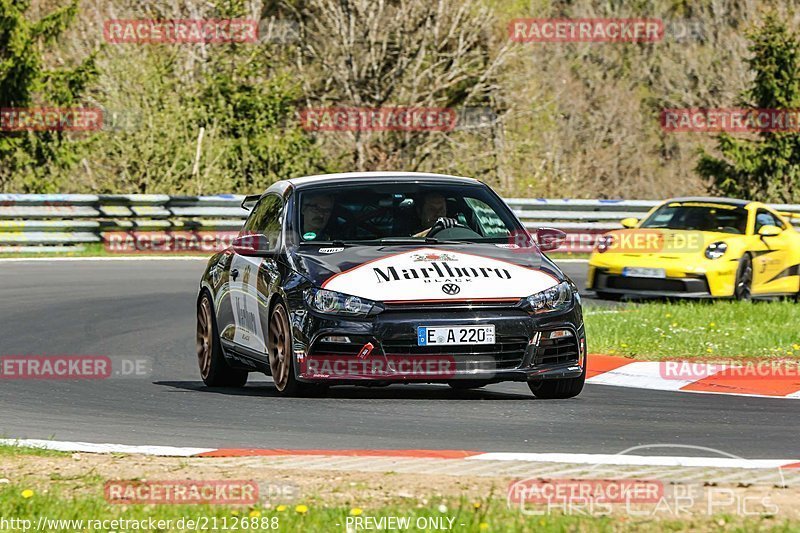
(600, 364)
(769, 383)
(252, 452)
(792, 465)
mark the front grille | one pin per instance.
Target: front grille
(507, 353)
(690, 283)
(556, 351)
(645, 284)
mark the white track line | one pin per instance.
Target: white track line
(165, 451)
(641, 375)
(633, 460)
(570, 458)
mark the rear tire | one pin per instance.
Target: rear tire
(214, 369)
(558, 389)
(743, 289)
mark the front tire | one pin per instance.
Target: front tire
(743, 289)
(214, 369)
(281, 359)
(558, 389)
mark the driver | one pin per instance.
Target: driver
(431, 211)
(316, 210)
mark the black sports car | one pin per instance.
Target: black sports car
(385, 277)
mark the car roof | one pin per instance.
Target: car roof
(711, 199)
(354, 177)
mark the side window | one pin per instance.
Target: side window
(266, 220)
(491, 225)
(765, 218)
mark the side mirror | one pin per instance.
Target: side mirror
(768, 230)
(251, 245)
(550, 239)
(629, 222)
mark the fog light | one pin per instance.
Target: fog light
(338, 339)
(558, 334)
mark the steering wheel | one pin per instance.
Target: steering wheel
(443, 223)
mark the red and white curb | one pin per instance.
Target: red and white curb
(465, 455)
(686, 376)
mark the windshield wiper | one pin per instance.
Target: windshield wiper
(418, 240)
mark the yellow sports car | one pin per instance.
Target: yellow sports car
(700, 248)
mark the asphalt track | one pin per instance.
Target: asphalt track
(147, 308)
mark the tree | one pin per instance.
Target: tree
(30, 160)
(397, 53)
(766, 167)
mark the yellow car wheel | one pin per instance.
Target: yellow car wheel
(743, 290)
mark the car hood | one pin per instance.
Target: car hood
(475, 272)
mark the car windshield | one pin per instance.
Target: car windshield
(699, 216)
(400, 212)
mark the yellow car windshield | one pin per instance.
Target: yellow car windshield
(699, 217)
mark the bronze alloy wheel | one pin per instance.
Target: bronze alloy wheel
(205, 332)
(279, 346)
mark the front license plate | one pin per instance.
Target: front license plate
(636, 272)
(427, 335)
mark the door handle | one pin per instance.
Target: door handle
(235, 273)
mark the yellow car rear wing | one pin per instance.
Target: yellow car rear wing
(789, 215)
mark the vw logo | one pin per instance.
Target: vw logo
(451, 288)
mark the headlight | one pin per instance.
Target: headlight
(604, 242)
(556, 298)
(716, 250)
(336, 303)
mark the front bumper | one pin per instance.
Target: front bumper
(685, 287)
(523, 350)
(686, 277)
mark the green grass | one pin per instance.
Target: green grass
(9, 450)
(706, 330)
(87, 503)
(98, 250)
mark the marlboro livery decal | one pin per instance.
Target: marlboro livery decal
(244, 300)
(429, 274)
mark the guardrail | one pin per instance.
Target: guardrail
(47, 222)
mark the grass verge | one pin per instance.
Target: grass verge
(57, 509)
(99, 250)
(690, 330)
